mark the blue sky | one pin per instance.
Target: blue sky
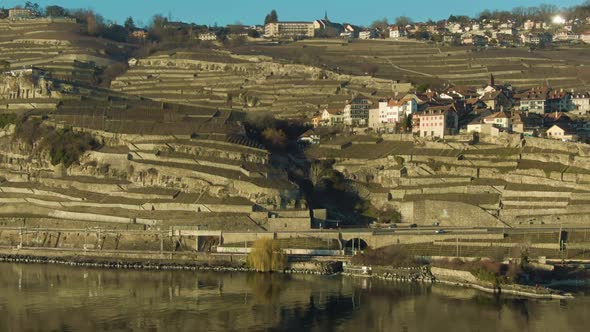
(253, 11)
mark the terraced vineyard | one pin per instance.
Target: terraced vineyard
(503, 183)
(57, 46)
(221, 80)
(419, 62)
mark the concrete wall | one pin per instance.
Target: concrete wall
(455, 214)
(289, 224)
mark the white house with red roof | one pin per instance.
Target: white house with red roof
(501, 120)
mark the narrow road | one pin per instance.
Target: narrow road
(408, 70)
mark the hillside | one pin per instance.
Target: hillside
(421, 62)
(216, 79)
(59, 47)
(497, 182)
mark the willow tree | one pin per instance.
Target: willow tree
(267, 256)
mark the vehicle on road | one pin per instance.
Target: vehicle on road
(413, 226)
(440, 231)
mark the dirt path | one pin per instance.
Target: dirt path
(409, 70)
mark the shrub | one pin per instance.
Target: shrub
(7, 119)
(66, 147)
(394, 256)
(266, 256)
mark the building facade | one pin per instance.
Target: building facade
(435, 123)
(394, 111)
(294, 30)
(581, 103)
(20, 13)
(356, 111)
(397, 32)
(331, 117)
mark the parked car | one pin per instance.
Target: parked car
(413, 225)
(440, 231)
(392, 226)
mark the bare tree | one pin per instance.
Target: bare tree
(381, 24)
(403, 21)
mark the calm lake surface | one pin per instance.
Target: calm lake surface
(61, 298)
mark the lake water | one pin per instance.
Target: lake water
(61, 298)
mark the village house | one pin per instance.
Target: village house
(367, 34)
(565, 36)
(496, 100)
(210, 36)
(508, 40)
(505, 31)
(502, 120)
(394, 111)
(351, 31)
(332, 117)
(585, 37)
(356, 111)
(451, 39)
(327, 28)
(475, 40)
(544, 100)
(295, 30)
(458, 92)
(477, 126)
(139, 34)
(581, 103)
(436, 122)
(316, 121)
(454, 27)
(538, 39)
(554, 118)
(397, 31)
(475, 105)
(20, 14)
(527, 123)
(309, 137)
(529, 25)
(562, 132)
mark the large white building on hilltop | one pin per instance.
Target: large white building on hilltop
(289, 30)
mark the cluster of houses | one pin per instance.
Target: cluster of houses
(490, 109)
(475, 33)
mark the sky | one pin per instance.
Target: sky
(222, 12)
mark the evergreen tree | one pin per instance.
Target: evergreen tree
(273, 17)
(129, 24)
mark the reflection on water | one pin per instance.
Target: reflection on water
(58, 298)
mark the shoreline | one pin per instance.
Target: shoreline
(425, 275)
(170, 264)
(151, 262)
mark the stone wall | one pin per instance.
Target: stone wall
(289, 224)
(449, 214)
(453, 275)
